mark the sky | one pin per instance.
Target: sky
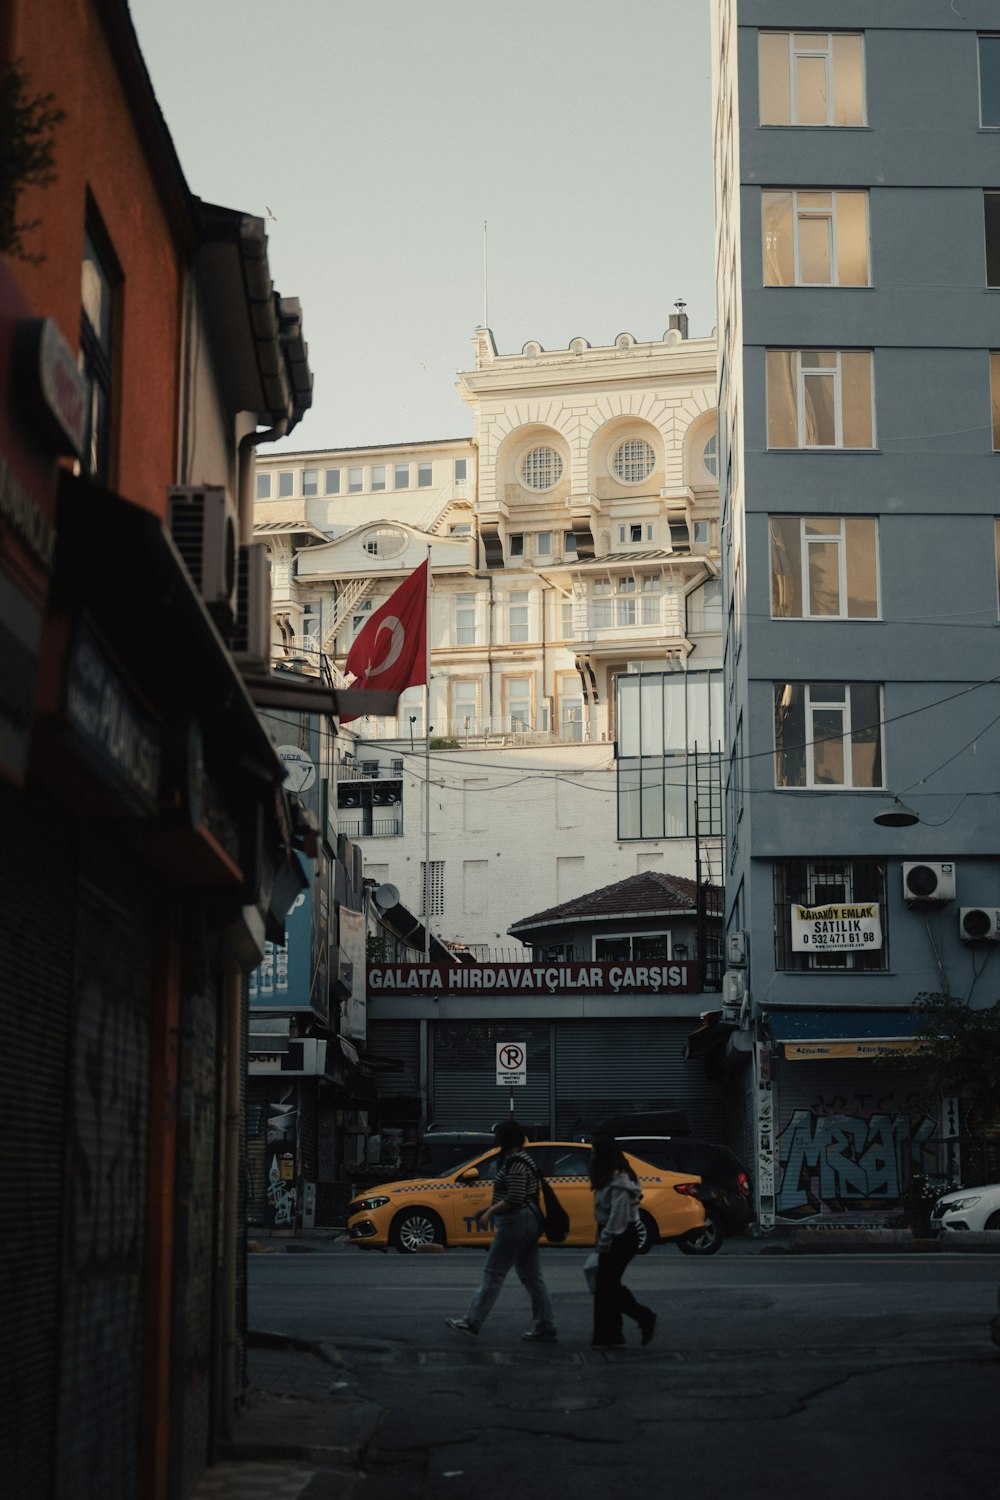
(377, 136)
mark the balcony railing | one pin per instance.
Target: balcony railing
(355, 827)
(509, 729)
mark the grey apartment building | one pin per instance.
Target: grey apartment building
(858, 242)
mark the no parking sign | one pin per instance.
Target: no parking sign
(512, 1065)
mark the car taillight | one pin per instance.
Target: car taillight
(744, 1184)
(689, 1188)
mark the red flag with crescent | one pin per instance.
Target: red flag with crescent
(390, 653)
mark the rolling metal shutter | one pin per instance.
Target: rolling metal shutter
(399, 1040)
(464, 1090)
(621, 1067)
(37, 902)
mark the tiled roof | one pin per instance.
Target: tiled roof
(646, 894)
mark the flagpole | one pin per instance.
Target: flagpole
(427, 766)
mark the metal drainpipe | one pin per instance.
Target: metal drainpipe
(489, 648)
(245, 469)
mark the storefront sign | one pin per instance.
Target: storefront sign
(872, 1048)
(52, 390)
(826, 929)
(120, 739)
(534, 979)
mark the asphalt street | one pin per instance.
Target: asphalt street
(861, 1375)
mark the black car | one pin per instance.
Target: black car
(725, 1184)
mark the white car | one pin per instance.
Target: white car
(968, 1209)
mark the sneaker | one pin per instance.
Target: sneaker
(648, 1327)
(462, 1325)
(539, 1335)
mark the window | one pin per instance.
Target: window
(355, 481)
(360, 618)
(97, 283)
(824, 567)
(704, 607)
(264, 486)
(517, 698)
(826, 882)
(401, 477)
(633, 461)
(625, 612)
(633, 947)
(630, 533)
(569, 543)
(310, 482)
(811, 78)
(378, 477)
(425, 476)
(517, 616)
(815, 239)
(996, 548)
(710, 455)
(515, 544)
(383, 541)
(669, 762)
(992, 215)
(989, 81)
(333, 481)
(828, 734)
(541, 468)
(432, 883)
(465, 619)
(819, 398)
(567, 620)
(460, 528)
(461, 470)
(410, 713)
(603, 611)
(995, 398)
(465, 705)
(286, 484)
(570, 709)
(702, 533)
(543, 544)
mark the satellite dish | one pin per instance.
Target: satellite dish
(386, 896)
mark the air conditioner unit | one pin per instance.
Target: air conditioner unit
(924, 881)
(734, 987)
(979, 924)
(202, 523)
(736, 949)
(250, 641)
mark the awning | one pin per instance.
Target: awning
(816, 1034)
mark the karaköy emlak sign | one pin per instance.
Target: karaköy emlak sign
(825, 929)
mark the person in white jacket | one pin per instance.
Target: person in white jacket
(616, 1209)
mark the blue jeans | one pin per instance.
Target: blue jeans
(515, 1245)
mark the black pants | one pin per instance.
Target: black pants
(611, 1299)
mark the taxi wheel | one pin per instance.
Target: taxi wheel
(414, 1229)
(703, 1241)
(649, 1235)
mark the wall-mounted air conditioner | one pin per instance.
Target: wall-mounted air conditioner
(202, 524)
(250, 641)
(736, 949)
(734, 987)
(979, 924)
(927, 881)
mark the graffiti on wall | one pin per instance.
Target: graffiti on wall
(853, 1157)
(282, 1124)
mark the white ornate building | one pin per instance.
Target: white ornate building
(575, 699)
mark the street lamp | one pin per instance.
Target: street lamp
(897, 815)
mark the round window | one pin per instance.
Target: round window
(633, 460)
(541, 468)
(710, 454)
(383, 541)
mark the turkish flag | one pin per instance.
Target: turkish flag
(390, 653)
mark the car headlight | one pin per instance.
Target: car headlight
(956, 1205)
(365, 1205)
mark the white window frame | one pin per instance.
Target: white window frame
(378, 477)
(334, 487)
(465, 722)
(512, 705)
(355, 486)
(835, 374)
(823, 47)
(837, 534)
(813, 704)
(465, 619)
(286, 483)
(518, 604)
(263, 487)
(403, 469)
(831, 216)
(425, 476)
(461, 470)
(310, 487)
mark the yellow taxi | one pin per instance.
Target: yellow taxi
(425, 1211)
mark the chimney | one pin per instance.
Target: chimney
(678, 319)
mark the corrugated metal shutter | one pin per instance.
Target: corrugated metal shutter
(101, 1390)
(399, 1040)
(847, 1133)
(37, 907)
(611, 1067)
(464, 1090)
(258, 1090)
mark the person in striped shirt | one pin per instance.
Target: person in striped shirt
(518, 1218)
